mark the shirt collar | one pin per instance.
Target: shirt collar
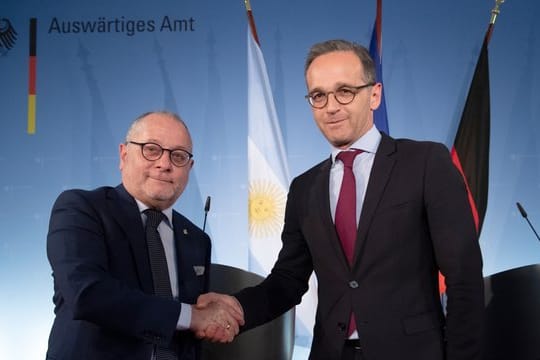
(167, 212)
(369, 142)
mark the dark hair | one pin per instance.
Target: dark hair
(329, 46)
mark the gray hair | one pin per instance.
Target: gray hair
(135, 124)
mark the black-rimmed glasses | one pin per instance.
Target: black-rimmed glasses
(344, 95)
(152, 152)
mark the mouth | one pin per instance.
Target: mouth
(162, 180)
(331, 122)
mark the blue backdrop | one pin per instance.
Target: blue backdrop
(190, 57)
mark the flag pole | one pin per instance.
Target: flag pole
(251, 21)
(494, 13)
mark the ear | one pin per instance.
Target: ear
(122, 152)
(376, 95)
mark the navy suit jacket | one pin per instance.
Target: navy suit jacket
(103, 283)
(415, 220)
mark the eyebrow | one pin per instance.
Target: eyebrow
(177, 147)
(339, 86)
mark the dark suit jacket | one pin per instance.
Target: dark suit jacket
(415, 220)
(103, 283)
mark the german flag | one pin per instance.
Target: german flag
(31, 124)
(470, 152)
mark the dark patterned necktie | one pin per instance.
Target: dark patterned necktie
(160, 271)
(345, 219)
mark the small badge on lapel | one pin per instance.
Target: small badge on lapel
(185, 231)
(199, 270)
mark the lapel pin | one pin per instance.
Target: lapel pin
(185, 231)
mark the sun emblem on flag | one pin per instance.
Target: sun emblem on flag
(266, 208)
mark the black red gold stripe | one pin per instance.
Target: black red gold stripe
(32, 60)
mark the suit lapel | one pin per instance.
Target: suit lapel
(380, 174)
(180, 238)
(191, 258)
(125, 211)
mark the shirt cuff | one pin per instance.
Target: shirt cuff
(184, 320)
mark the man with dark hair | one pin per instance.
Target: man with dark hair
(375, 221)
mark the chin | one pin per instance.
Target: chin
(338, 139)
(165, 196)
(160, 196)
(340, 143)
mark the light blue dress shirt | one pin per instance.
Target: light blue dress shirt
(166, 233)
(362, 165)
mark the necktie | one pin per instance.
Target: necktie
(160, 271)
(346, 206)
(346, 212)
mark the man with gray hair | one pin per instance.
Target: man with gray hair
(126, 266)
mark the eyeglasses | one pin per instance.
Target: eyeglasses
(152, 152)
(344, 95)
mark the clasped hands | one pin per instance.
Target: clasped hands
(217, 317)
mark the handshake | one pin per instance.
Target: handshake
(216, 317)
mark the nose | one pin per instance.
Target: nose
(332, 105)
(164, 161)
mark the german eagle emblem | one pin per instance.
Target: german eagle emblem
(8, 35)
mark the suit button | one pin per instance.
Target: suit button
(353, 284)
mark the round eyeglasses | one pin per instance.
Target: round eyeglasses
(152, 152)
(344, 95)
